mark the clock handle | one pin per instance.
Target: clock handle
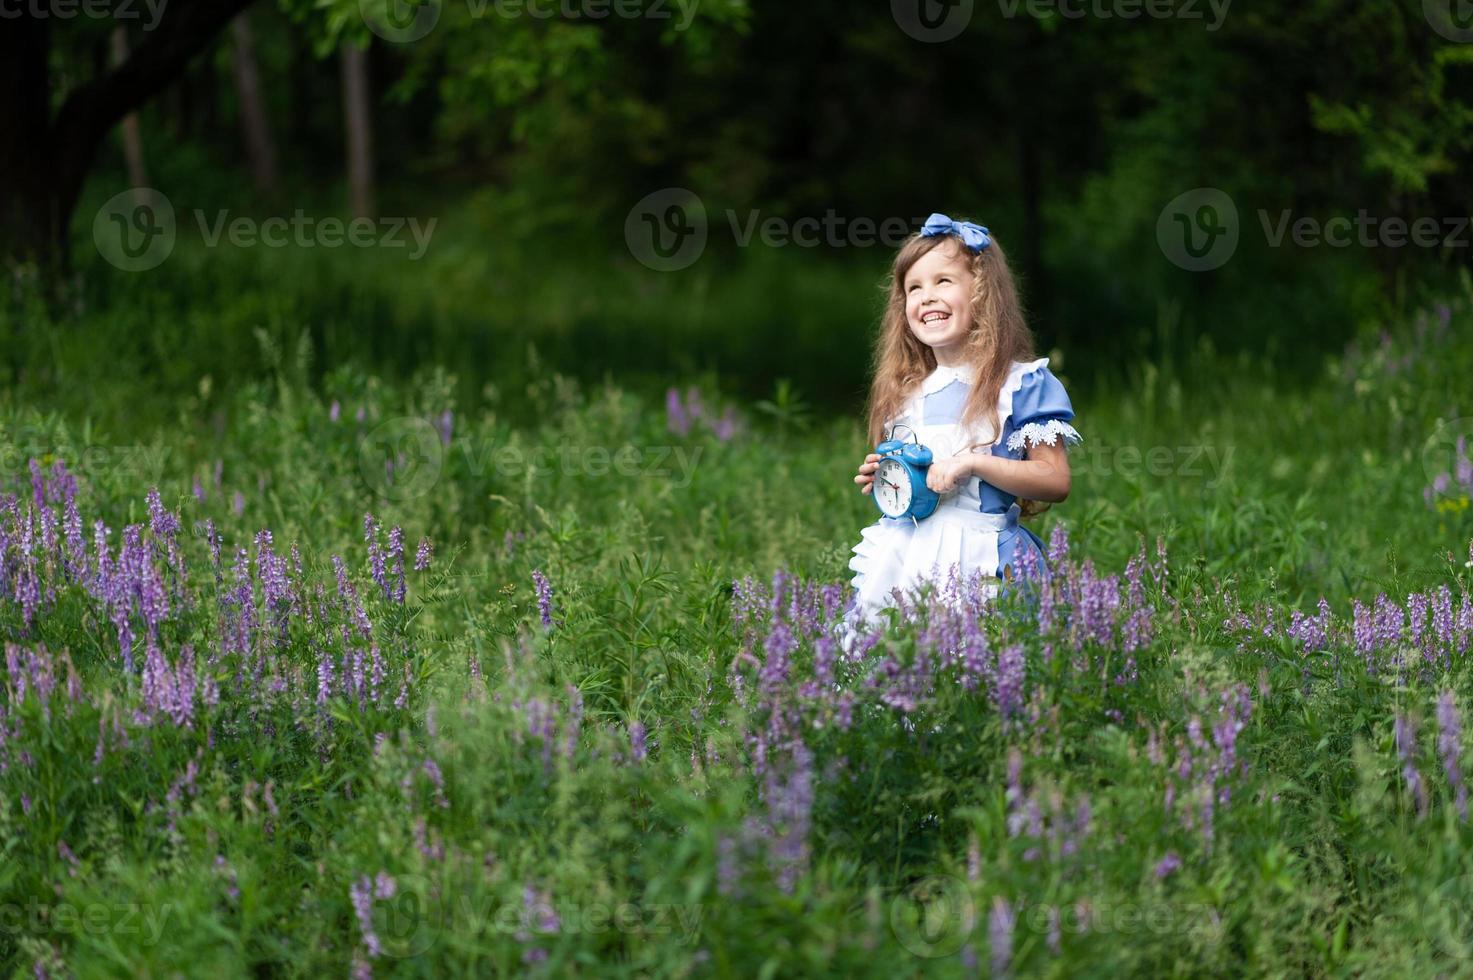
(902, 425)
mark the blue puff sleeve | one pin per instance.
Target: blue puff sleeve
(1041, 413)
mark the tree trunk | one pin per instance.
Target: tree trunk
(359, 130)
(43, 160)
(25, 141)
(260, 148)
(132, 135)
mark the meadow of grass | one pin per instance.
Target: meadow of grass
(597, 723)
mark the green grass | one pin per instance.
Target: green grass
(1267, 496)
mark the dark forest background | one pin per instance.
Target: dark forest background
(529, 139)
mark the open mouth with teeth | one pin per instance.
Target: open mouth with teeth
(935, 316)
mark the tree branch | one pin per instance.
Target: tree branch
(90, 111)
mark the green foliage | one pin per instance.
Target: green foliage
(1321, 862)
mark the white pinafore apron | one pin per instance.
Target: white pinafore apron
(904, 553)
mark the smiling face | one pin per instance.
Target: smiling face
(938, 301)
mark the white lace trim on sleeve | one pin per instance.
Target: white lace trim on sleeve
(1044, 433)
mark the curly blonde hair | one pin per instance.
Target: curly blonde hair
(998, 337)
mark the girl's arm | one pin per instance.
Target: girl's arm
(1044, 475)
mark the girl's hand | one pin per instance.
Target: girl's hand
(946, 473)
(866, 477)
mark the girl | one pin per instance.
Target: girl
(954, 362)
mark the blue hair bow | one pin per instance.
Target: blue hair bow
(975, 237)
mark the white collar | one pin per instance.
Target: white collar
(943, 376)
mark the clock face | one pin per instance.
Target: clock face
(892, 488)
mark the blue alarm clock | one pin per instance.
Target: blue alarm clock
(900, 480)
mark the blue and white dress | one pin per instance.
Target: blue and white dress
(975, 528)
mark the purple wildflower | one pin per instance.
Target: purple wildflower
(437, 780)
(67, 856)
(676, 419)
(544, 596)
(361, 894)
(163, 523)
(376, 563)
(1417, 609)
(728, 867)
(1387, 623)
(1450, 749)
(1058, 544)
(38, 485)
(1442, 622)
(1000, 935)
(789, 815)
(324, 677)
(575, 722)
(1007, 681)
(725, 427)
(637, 747)
(1406, 749)
(396, 555)
(223, 868)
